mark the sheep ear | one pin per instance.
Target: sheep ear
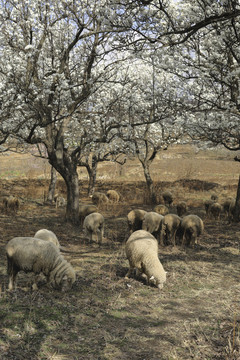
(151, 278)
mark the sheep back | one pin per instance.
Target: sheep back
(135, 219)
(113, 196)
(191, 227)
(47, 235)
(99, 198)
(94, 224)
(142, 253)
(37, 255)
(152, 222)
(161, 209)
(215, 210)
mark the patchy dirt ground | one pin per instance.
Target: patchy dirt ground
(104, 316)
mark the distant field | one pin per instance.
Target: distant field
(178, 162)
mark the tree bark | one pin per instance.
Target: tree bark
(52, 185)
(236, 213)
(150, 185)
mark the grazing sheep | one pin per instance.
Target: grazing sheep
(161, 209)
(85, 209)
(169, 227)
(60, 202)
(152, 223)
(191, 227)
(94, 224)
(10, 203)
(37, 255)
(47, 235)
(226, 205)
(99, 198)
(168, 198)
(142, 253)
(113, 196)
(207, 205)
(135, 219)
(215, 210)
(182, 208)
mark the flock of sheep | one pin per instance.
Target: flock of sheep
(41, 253)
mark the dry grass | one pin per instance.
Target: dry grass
(104, 316)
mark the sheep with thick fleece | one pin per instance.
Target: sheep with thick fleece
(47, 235)
(142, 253)
(86, 209)
(169, 226)
(191, 228)
(161, 209)
(94, 224)
(135, 219)
(39, 256)
(152, 223)
(113, 196)
(99, 198)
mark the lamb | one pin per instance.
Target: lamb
(99, 198)
(113, 196)
(215, 210)
(142, 253)
(191, 227)
(152, 223)
(168, 198)
(94, 224)
(169, 227)
(182, 208)
(85, 210)
(47, 235)
(161, 209)
(36, 255)
(135, 219)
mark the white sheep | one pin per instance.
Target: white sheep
(94, 224)
(38, 256)
(191, 227)
(47, 235)
(142, 253)
(113, 196)
(152, 223)
(135, 219)
(169, 226)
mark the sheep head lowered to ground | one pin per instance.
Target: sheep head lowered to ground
(113, 196)
(94, 224)
(99, 198)
(38, 256)
(191, 227)
(152, 223)
(47, 235)
(142, 253)
(135, 219)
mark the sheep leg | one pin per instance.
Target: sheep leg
(130, 272)
(12, 273)
(99, 236)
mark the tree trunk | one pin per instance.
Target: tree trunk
(92, 173)
(150, 185)
(236, 213)
(52, 185)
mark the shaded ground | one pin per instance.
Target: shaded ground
(195, 316)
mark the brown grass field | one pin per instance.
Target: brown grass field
(104, 316)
